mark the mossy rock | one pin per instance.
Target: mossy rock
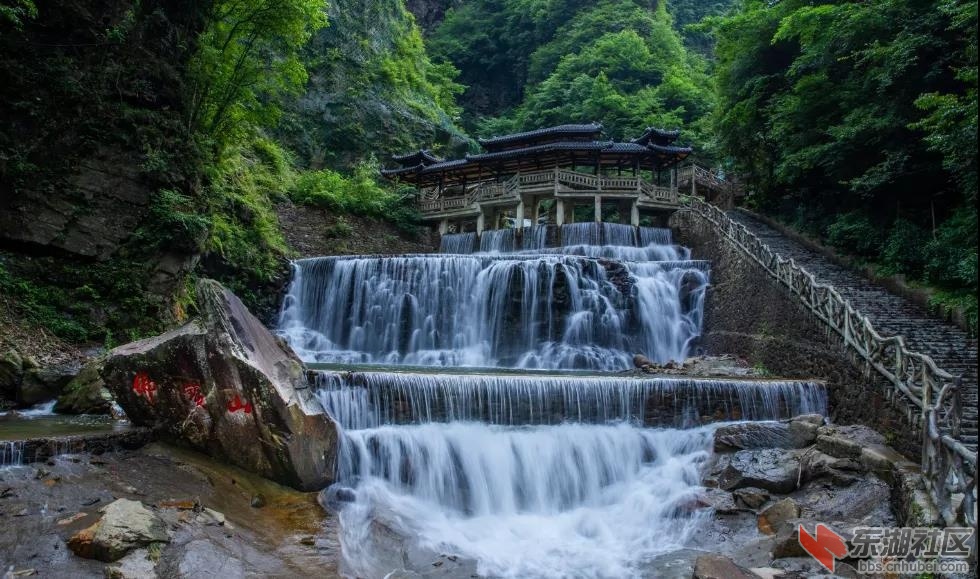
(86, 393)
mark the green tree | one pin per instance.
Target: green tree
(247, 59)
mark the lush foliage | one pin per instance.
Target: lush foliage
(858, 121)
(358, 193)
(248, 57)
(620, 62)
(373, 90)
(16, 11)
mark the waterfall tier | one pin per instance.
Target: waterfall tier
(361, 400)
(576, 306)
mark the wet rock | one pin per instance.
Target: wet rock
(86, 393)
(837, 446)
(847, 441)
(211, 517)
(135, 565)
(776, 514)
(802, 433)
(11, 374)
(750, 497)
(720, 501)
(774, 470)
(751, 435)
(641, 361)
(42, 384)
(814, 419)
(125, 525)
(204, 558)
(787, 538)
(719, 567)
(258, 501)
(224, 385)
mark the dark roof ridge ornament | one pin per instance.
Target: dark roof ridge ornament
(658, 136)
(563, 131)
(420, 157)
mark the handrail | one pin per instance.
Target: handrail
(933, 408)
(562, 180)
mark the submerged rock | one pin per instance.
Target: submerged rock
(125, 525)
(223, 384)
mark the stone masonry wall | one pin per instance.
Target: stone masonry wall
(749, 314)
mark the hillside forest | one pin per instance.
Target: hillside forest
(854, 123)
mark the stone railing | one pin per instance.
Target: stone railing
(659, 194)
(929, 394)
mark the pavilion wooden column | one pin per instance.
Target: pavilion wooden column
(598, 208)
(635, 213)
(560, 211)
(444, 227)
(481, 220)
(519, 214)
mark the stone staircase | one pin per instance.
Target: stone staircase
(950, 347)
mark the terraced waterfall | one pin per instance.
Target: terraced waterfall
(486, 407)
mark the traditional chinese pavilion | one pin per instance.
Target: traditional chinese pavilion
(543, 175)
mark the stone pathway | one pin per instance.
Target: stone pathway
(952, 349)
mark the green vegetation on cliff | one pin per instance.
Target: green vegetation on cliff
(529, 63)
(857, 123)
(373, 90)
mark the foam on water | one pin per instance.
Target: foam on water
(370, 399)
(560, 501)
(578, 306)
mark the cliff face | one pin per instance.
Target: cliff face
(429, 13)
(90, 93)
(372, 90)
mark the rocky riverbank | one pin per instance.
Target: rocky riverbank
(208, 519)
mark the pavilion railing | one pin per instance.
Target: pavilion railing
(930, 394)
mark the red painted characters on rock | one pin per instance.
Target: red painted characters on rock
(238, 404)
(145, 387)
(192, 390)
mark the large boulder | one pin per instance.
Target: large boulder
(773, 470)
(751, 435)
(125, 525)
(223, 384)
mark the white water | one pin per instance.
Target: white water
(558, 501)
(528, 476)
(370, 399)
(578, 306)
(42, 409)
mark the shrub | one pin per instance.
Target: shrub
(855, 234)
(904, 250)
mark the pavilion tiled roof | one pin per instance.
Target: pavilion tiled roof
(420, 157)
(658, 136)
(545, 147)
(590, 130)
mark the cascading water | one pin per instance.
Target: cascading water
(544, 476)
(361, 400)
(582, 305)
(525, 475)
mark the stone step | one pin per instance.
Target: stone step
(948, 345)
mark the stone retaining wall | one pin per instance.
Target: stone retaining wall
(748, 314)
